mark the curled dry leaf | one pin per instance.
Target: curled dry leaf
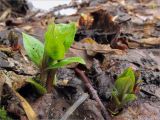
(80, 53)
(151, 41)
(87, 48)
(85, 20)
(27, 108)
(92, 47)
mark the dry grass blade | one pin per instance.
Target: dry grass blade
(74, 106)
(27, 108)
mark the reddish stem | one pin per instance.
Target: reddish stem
(49, 82)
(93, 92)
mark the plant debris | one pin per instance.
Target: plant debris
(119, 42)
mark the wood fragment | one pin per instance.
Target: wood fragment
(75, 106)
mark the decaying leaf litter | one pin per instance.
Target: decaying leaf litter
(111, 36)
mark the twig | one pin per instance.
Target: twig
(93, 93)
(75, 106)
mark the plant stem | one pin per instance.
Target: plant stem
(50, 77)
(43, 73)
(47, 76)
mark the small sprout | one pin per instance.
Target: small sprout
(3, 114)
(51, 55)
(123, 91)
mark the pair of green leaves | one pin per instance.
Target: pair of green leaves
(124, 85)
(58, 39)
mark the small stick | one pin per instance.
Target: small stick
(93, 93)
(75, 106)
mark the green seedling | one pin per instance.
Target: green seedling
(3, 114)
(123, 91)
(51, 55)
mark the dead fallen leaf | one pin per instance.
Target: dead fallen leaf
(85, 20)
(5, 14)
(5, 49)
(94, 48)
(27, 28)
(62, 82)
(151, 41)
(141, 111)
(79, 53)
(27, 108)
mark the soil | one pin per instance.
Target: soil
(122, 26)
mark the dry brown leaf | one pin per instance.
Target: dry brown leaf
(141, 111)
(94, 48)
(5, 14)
(87, 49)
(85, 20)
(79, 53)
(27, 28)
(151, 41)
(27, 108)
(62, 82)
(5, 49)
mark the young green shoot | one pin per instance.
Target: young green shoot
(3, 114)
(123, 91)
(51, 55)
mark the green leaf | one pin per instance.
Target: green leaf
(115, 97)
(129, 98)
(66, 62)
(129, 73)
(34, 48)
(3, 113)
(66, 34)
(39, 87)
(58, 39)
(53, 45)
(123, 86)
